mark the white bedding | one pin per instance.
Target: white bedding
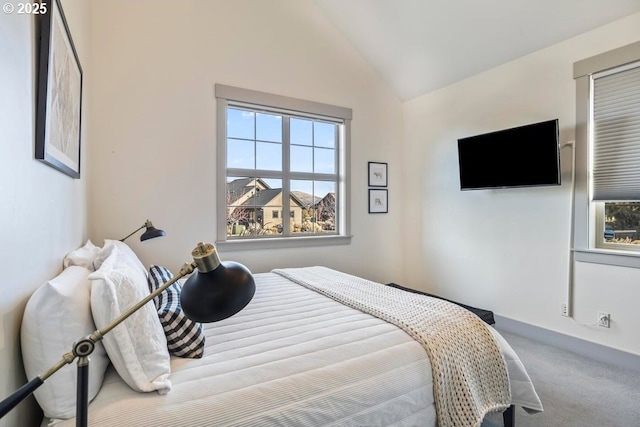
(469, 372)
(293, 357)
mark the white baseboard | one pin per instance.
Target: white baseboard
(599, 352)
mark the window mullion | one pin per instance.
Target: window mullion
(254, 173)
(308, 176)
(286, 176)
(336, 167)
(255, 140)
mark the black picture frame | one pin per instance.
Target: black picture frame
(377, 174)
(59, 106)
(378, 201)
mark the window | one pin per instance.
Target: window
(608, 151)
(615, 157)
(278, 154)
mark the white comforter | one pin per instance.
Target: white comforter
(293, 357)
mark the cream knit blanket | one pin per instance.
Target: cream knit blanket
(469, 372)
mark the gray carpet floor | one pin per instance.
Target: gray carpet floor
(575, 391)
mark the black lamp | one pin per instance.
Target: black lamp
(234, 288)
(214, 292)
(149, 233)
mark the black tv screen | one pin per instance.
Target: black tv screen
(523, 156)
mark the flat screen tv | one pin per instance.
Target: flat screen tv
(523, 156)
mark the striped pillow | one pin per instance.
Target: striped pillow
(185, 337)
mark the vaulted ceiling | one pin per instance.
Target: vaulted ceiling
(418, 46)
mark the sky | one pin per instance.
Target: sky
(255, 141)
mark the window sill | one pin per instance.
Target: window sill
(608, 257)
(285, 242)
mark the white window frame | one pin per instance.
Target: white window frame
(233, 96)
(589, 244)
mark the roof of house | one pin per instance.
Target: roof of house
(306, 198)
(262, 197)
(328, 198)
(239, 187)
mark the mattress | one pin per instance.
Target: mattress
(293, 357)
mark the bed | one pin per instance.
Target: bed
(295, 357)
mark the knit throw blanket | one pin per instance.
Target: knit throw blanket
(469, 372)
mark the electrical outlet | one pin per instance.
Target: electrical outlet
(564, 309)
(604, 319)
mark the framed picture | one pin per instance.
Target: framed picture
(59, 95)
(378, 201)
(377, 174)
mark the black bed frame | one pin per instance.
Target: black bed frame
(509, 417)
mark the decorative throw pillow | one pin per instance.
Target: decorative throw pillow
(137, 347)
(57, 314)
(185, 337)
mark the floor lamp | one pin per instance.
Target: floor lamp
(215, 291)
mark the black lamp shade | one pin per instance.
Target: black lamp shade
(151, 232)
(218, 294)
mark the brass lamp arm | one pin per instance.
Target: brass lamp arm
(85, 346)
(129, 235)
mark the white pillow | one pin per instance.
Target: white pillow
(82, 257)
(125, 252)
(58, 314)
(137, 347)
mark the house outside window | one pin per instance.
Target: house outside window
(608, 155)
(278, 154)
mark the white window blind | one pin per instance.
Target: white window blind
(616, 135)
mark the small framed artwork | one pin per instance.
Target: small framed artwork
(59, 95)
(378, 201)
(377, 174)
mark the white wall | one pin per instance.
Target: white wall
(42, 211)
(153, 122)
(507, 250)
